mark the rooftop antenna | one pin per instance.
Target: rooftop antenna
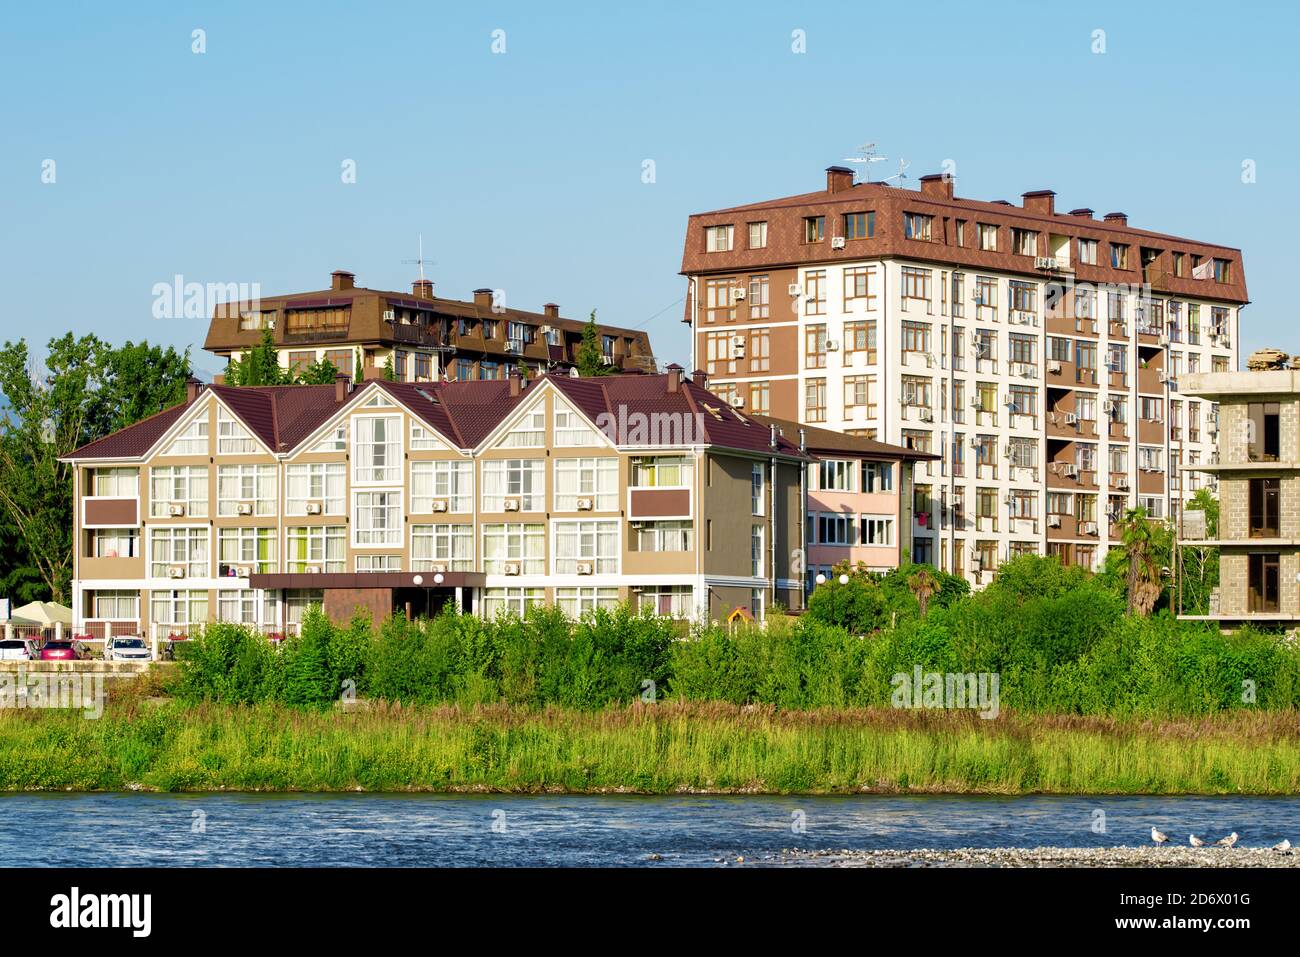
(900, 175)
(421, 260)
(866, 156)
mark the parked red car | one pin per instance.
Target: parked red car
(59, 651)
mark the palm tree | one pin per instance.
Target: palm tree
(923, 585)
(1139, 537)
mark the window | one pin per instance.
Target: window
(253, 548)
(815, 292)
(815, 346)
(719, 353)
(986, 297)
(577, 602)
(1024, 241)
(916, 391)
(988, 236)
(859, 393)
(756, 551)
(299, 361)
(341, 360)
(859, 225)
(595, 479)
(232, 439)
(1263, 437)
(115, 483)
(675, 536)
(814, 229)
(760, 350)
(876, 531)
(571, 430)
(760, 398)
(1088, 252)
(522, 479)
(668, 601)
(255, 319)
(378, 451)
(757, 235)
(860, 338)
(117, 605)
(663, 471)
(424, 368)
(1265, 494)
(336, 440)
(528, 432)
(1118, 256)
(184, 548)
(815, 400)
(834, 529)
(451, 482)
(114, 543)
(960, 232)
(916, 286)
(192, 441)
(719, 304)
(1150, 458)
(756, 488)
(1222, 270)
(511, 601)
(916, 336)
(1263, 581)
(178, 608)
(835, 475)
(918, 226)
(1024, 297)
(183, 486)
(320, 547)
(857, 285)
(595, 542)
(450, 546)
(1024, 400)
(877, 476)
(759, 297)
(322, 482)
(245, 490)
(316, 320)
(424, 439)
(718, 239)
(377, 518)
(514, 544)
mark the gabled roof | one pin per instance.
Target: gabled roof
(464, 413)
(826, 443)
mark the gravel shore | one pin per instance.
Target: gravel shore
(1042, 857)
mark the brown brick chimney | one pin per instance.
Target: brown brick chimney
(1120, 219)
(422, 288)
(700, 378)
(483, 298)
(342, 386)
(551, 310)
(342, 279)
(192, 389)
(838, 178)
(1083, 212)
(674, 377)
(516, 383)
(938, 185)
(1041, 201)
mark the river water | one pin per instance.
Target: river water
(364, 830)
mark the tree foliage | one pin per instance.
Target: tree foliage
(589, 358)
(259, 366)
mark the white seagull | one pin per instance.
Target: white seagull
(1196, 841)
(1159, 836)
(1283, 845)
(1228, 841)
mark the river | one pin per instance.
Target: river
(371, 830)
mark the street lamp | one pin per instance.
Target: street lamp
(821, 579)
(844, 579)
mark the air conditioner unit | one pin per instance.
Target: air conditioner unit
(1108, 406)
(1070, 471)
(1164, 376)
(585, 505)
(607, 360)
(1121, 481)
(1212, 427)
(927, 415)
(1088, 528)
(438, 569)
(976, 564)
(976, 404)
(737, 292)
(389, 315)
(313, 569)
(974, 442)
(737, 401)
(795, 289)
(511, 505)
(1054, 367)
(1070, 418)
(1053, 521)
(176, 571)
(175, 511)
(1027, 371)
(832, 345)
(586, 568)
(1163, 340)
(515, 346)
(244, 508)
(1009, 402)
(243, 571)
(1007, 451)
(837, 242)
(510, 568)
(1044, 262)
(315, 508)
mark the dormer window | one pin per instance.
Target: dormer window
(814, 229)
(918, 226)
(718, 239)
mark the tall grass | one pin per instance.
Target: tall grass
(664, 748)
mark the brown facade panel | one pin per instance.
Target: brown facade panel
(659, 503)
(114, 512)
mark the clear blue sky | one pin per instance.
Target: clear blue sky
(523, 169)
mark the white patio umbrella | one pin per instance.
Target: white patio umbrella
(43, 613)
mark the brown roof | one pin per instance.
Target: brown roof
(786, 247)
(827, 441)
(466, 413)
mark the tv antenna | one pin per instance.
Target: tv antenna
(421, 260)
(900, 175)
(866, 156)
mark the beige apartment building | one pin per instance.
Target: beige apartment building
(424, 337)
(249, 504)
(1257, 466)
(1038, 354)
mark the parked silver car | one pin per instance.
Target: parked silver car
(127, 648)
(16, 649)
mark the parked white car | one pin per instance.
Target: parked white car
(127, 648)
(16, 649)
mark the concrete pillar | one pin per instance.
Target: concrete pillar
(58, 631)
(9, 631)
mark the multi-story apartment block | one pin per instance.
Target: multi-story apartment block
(859, 505)
(249, 504)
(1037, 353)
(1257, 419)
(425, 338)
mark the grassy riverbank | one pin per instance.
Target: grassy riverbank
(644, 748)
